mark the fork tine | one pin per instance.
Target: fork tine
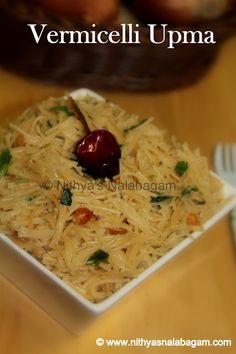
(227, 157)
(218, 159)
(233, 156)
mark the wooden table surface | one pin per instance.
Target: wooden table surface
(194, 296)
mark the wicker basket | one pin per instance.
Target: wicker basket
(122, 67)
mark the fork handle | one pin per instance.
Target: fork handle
(233, 223)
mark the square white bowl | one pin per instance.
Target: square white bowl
(61, 301)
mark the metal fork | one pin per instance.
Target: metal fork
(225, 167)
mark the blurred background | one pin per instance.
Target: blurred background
(143, 67)
(191, 93)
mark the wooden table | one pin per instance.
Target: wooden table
(194, 296)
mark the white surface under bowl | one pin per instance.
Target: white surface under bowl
(58, 299)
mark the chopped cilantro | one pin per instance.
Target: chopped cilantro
(152, 177)
(199, 202)
(188, 190)
(45, 146)
(135, 126)
(181, 167)
(49, 124)
(66, 197)
(21, 180)
(32, 197)
(160, 198)
(62, 109)
(97, 257)
(5, 159)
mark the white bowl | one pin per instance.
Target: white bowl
(62, 302)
